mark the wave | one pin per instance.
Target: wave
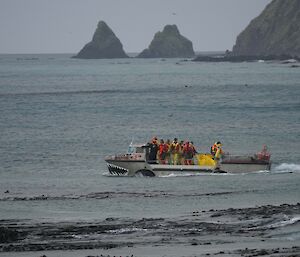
(171, 175)
(87, 92)
(286, 222)
(287, 168)
(128, 230)
(104, 91)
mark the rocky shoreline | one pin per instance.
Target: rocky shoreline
(245, 58)
(213, 228)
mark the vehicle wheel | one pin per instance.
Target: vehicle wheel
(218, 170)
(144, 173)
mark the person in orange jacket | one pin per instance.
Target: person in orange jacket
(213, 149)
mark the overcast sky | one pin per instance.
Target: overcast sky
(64, 26)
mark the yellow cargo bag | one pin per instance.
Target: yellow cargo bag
(205, 160)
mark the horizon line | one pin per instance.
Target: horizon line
(208, 51)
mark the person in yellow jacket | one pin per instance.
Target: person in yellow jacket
(180, 153)
(175, 152)
(168, 154)
(219, 153)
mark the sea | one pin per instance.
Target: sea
(60, 117)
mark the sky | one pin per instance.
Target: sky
(65, 26)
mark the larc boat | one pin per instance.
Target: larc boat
(136, 163)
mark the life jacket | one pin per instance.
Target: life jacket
(213, 149)
(163, 148)
(168, 147)
(187, 148)
(174, 147)
(264, 154)
(179, 148)
(219, 152)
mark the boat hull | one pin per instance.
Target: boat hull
(245, 167)
(142, 168)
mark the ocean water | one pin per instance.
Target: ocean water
(60, 117)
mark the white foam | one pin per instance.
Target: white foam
(185, 174)
(284, 222)
(179, 175)
(126, 230)
(260, 171)
(287, 167)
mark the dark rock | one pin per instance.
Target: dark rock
(8, 235)
(104, 45)
(168, 44)
(275, 31)
(262, 252)
(110, 219)
(216, 215)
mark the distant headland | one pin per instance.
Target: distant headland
(276, 31)
(273, 35)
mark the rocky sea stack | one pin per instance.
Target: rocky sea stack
(104, 45)
(168, 44)
(276, 31)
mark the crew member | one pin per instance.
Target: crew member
(181, 155)
(175, 151)
(194, 151)
(213, 149)
(187, 153)
(168, 153)
(153, 149)
(219, 152)
(163, 149)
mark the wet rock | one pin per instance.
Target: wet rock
(216, 215)
(110, 219)
(8, 235)
(262, 252)
(190, 230)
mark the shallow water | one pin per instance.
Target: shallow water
(60, 117)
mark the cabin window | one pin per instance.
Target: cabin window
(139, 150)
(131, 149)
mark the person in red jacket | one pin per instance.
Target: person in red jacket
(162, 151)
(188, 153)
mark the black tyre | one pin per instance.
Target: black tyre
(144, 173)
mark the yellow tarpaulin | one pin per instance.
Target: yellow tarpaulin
(205, 160)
